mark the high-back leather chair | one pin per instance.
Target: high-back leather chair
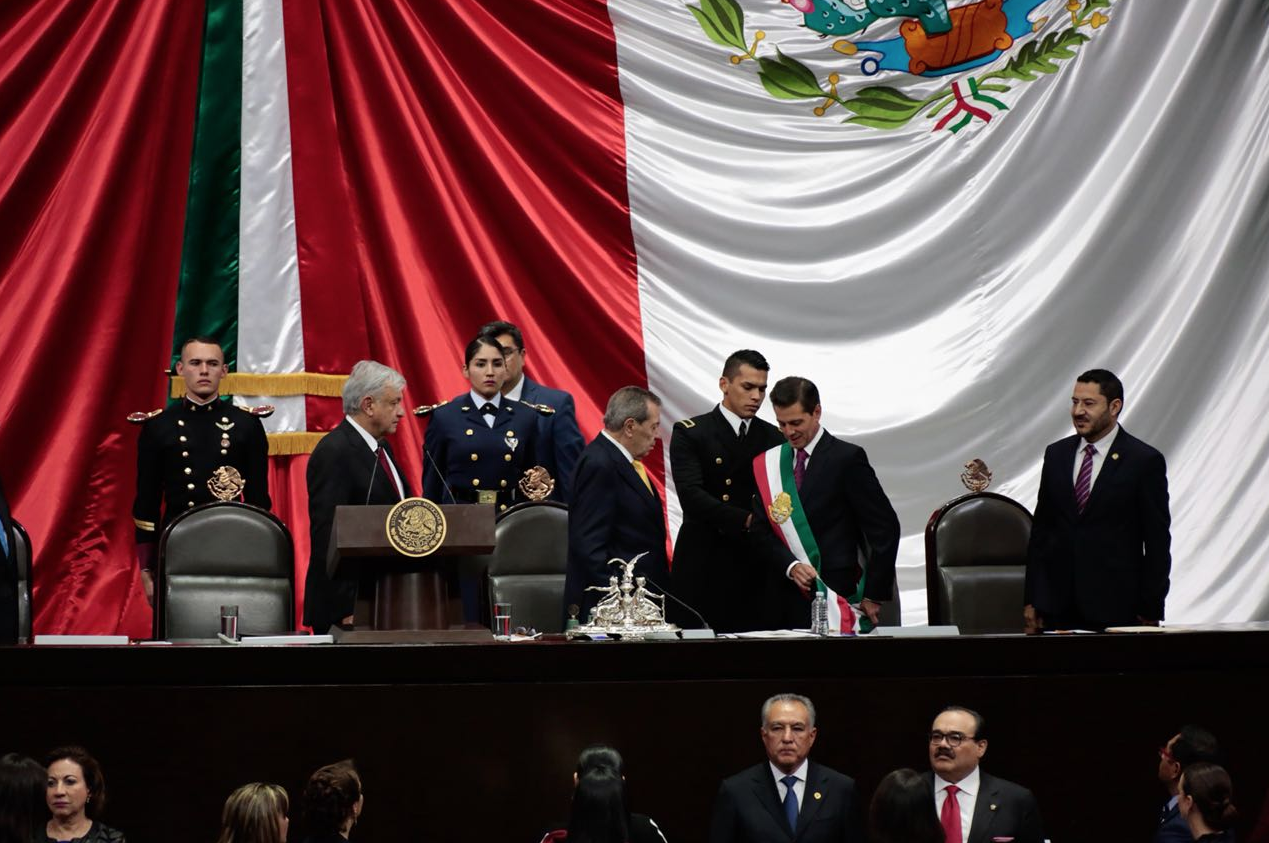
(22, 556)
(976, 562)
(224, 554)
(527, 566)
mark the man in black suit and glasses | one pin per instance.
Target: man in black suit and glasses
(975, 807)
(787, 797)
(353, 465)
(1100, 548)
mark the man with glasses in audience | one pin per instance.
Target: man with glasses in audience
(1189, 746)
(975, 807)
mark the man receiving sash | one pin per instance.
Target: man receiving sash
(833, 528)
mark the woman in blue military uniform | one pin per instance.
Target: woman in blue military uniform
(479, 444)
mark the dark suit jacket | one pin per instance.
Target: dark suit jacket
(1108, 565)
(613, 516)
(1173, 828)
(748, 809)
(339, 474)
(560, 441)
(719, 567)
(8, 578)
(1003, 809)
(849, 514)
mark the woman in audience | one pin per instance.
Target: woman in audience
(1205, 801)
(902, 810)
(23, 811)
(332, 802)
(76, 794)
(255, 813)
(599, 813)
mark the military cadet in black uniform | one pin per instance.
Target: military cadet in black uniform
(479, 444)
(719, 564)
(182, 446)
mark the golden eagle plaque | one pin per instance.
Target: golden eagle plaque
(416, 527)
(537, 484)
(225, 483)
(976, 476)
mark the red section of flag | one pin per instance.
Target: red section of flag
(97, 104)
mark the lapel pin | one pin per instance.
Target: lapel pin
(817, 795)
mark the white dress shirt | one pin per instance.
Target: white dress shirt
(373, 444)
(514, 393)
(1099, 456)
(481, 401)
(966, 798)
(799, 786)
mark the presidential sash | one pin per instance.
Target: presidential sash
(773, 471)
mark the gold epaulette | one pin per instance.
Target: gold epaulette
(426, 409)
(686, 424)
(544, 409)
(142, 418)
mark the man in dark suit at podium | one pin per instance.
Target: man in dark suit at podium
(720, 564)
(616, 511)
(1100, 548)
(975, 807)
(845, 507)
(353, 465)
(787, 797)
(8, 577)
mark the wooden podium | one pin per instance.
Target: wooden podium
(409, 593)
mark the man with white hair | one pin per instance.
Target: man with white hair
(353, 465)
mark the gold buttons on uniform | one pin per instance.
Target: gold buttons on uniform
(511, 433)
(475, 481)
(223, 451)
(718, 460)
(190, 487)
(727, 481)
(180, 422)
(475, 457)
(191, 505)
(726, 498)
(503, 483)
(469, 431)
(502, 508)
(183, 439)
(185, 454)
(507, 457)
(189, 470)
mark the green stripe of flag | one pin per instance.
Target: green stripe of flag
(803, 527)
(207, 297)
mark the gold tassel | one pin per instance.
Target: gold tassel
(287, 444)
(286, 383)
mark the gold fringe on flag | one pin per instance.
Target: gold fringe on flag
(286, 444)
(287, 383)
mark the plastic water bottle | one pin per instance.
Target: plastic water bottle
(819, 614)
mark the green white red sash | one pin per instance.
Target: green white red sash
(773, 471)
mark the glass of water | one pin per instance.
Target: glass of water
(502, 619)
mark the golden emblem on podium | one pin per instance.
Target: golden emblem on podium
(225, 483)
(416, 527)
(781, 508)
(537, 484)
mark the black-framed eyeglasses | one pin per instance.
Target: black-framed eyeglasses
(953, 739)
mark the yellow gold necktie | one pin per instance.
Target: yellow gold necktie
(643, 475)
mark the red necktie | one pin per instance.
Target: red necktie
(951, 816)
(1084, 483)
(799, 468)
(387, 470)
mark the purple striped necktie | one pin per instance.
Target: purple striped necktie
(1084, 483)
(799, 468)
